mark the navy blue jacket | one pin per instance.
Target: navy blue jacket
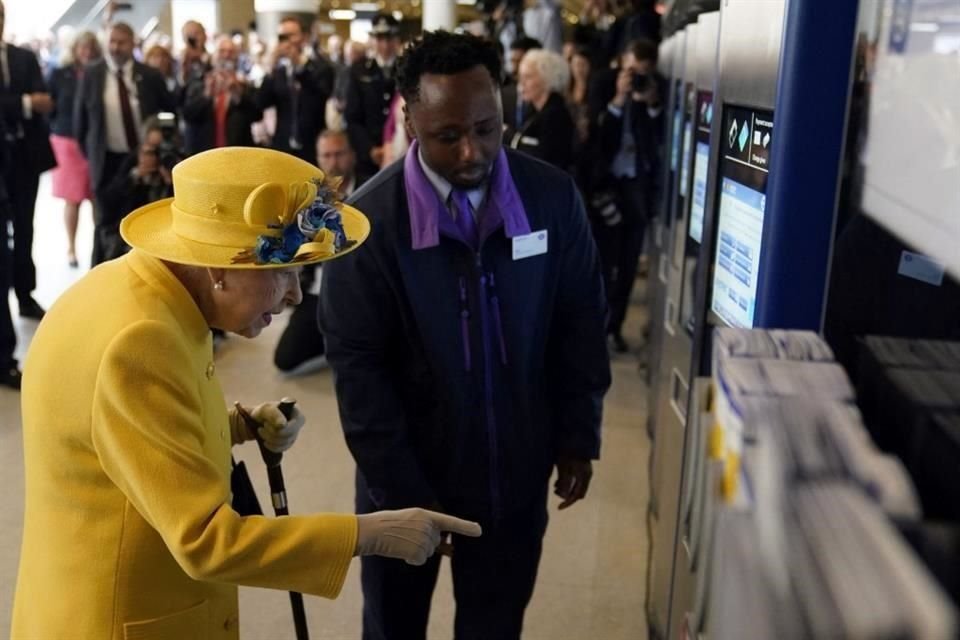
(460, 376)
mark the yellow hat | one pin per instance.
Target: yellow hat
(245, 207)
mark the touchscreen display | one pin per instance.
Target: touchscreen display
(698, 199)
(685, 167)
(677, 127)
(747, 134)
(700, 162)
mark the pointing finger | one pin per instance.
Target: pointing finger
(455, 525)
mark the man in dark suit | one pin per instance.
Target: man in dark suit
(467, 339)
(299, 87)
(370, 93)
(9, 369)
(301, 348)
(220, 107)
(25, 102)
(629, 122)
(115, 96)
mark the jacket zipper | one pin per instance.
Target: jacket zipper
(492, 436)
(465, 325)
(497, 322)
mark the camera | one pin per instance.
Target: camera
(169, 152)
(641, 82)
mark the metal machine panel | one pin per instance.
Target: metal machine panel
(672, 378)
(660, 230)
(748, 55)
(673, 388)
(666, 319)
(749, 58)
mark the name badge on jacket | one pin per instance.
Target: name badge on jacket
(529, 245)
(920, 267)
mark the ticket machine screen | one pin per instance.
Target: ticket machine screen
(744, 165)
(700, 161)
(698, 197)
(677, 127)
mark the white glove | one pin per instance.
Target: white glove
(411, 535)
(278, 433)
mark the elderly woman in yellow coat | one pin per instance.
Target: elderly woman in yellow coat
(128, 530)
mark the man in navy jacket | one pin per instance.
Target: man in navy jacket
(467, 341)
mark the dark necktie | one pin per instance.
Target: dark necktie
(294, 87)
(465, 221)
(129, 127)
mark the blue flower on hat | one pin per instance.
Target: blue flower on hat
(304, 227)
(322, 215)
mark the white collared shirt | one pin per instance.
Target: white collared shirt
(112, 113)
(349, 187)
(443, 189)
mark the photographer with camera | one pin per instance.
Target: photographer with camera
(145, 176)
(629, 129)
(220, 107)
(194, 61)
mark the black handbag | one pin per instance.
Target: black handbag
(244, 497)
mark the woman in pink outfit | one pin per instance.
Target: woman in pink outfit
(71, 178)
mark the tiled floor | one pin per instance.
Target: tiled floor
(592, 577)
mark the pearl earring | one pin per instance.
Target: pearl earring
(218, 285)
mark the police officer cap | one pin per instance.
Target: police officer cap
(385, 24)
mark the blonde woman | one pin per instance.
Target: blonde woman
(71, 177)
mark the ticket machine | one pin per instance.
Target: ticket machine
(759, 254)
(692, 118)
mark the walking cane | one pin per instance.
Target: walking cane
(278, 495)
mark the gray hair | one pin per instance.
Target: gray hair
(552, 67)
(68, 55)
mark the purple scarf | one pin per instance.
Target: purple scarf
(429, 217)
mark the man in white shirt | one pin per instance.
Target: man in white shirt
(115, 96)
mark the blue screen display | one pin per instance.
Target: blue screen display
(700, 162)
(742, 204)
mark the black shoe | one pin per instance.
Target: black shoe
(619, 344)
(29, 308)
(10, 376)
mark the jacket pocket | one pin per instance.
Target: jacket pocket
(189, 624)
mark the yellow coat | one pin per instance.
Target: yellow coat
(128, 530)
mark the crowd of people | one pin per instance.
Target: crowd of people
(497, 185)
